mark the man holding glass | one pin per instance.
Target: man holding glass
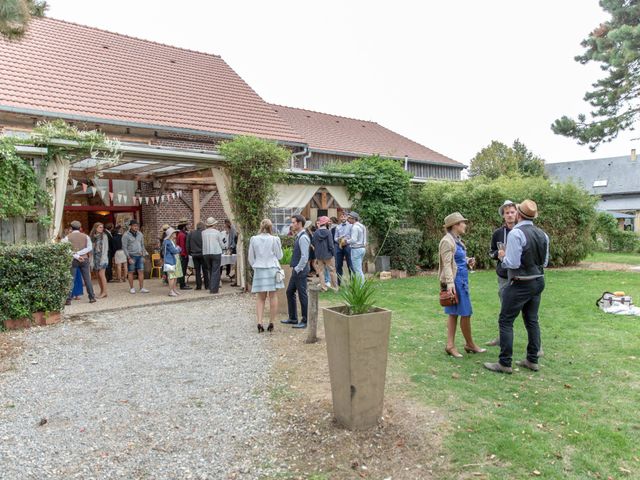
(499, 242)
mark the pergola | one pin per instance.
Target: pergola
(167, 168)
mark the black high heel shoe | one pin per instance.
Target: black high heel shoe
(260, 328)
(270, 327)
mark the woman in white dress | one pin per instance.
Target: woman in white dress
(265, 252)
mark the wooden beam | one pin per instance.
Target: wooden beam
(196, 205)
(190, 186)
(195, 181)
(208, 197)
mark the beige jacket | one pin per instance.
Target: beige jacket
(447, 268)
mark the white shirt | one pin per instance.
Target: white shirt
(358, 236)
(265, 251)
(84, 251)
(212, 242)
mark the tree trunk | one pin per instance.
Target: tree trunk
(312, 314)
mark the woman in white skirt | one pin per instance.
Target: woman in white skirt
(265, 252)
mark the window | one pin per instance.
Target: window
(600, 183)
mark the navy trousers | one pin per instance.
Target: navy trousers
(520, 297)
(343, 254)
(298, 284)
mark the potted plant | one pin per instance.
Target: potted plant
(357, 336)
(287, 254)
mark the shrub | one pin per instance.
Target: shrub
(624, 241)
(609, 236)
(33, 278)
(566, 212)
(403, 246)
(287, 241)
(287, 254)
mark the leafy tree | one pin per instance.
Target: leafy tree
(498, 159)
(616, 45)
(15, 15)
(380, 189)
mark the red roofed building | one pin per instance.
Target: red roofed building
(170, 108)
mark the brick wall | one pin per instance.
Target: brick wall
(154, 216)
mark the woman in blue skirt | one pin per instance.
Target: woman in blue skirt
(454, 276)
(265, 252)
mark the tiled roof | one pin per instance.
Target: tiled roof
(332, 133)
(602, 176)
(75, 71)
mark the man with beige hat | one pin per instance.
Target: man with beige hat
(525, 257)
(212, 247)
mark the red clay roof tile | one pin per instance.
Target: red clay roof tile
(87, 73)
(333, 133)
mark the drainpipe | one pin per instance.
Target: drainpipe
(304, 160)
(406, 163)
(633, 155)
(297, 154)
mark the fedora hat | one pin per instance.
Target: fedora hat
(528, 209)
(354, 215)
(451, 220)
(507, 203)
(183, 221)
(308, 224)
(211, 222)
(170, 231)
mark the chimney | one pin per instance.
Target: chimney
(633, 155)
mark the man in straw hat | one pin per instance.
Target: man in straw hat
(212, 246)
(526, 255)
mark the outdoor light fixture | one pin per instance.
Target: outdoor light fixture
(103, 213)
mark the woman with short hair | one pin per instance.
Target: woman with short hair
(265, 252)
(454, 276)
(100, 260)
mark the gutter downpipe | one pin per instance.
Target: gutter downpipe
(305, 158)
(297, 154)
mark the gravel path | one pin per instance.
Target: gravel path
(170, 392)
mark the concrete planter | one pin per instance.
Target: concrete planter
(357, 348)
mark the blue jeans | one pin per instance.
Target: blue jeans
(341, 255)
(357, 257)
(298, 283)
(138, 263)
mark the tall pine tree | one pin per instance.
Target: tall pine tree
(15, 15)
(616, 45)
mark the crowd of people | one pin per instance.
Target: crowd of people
(117, 254)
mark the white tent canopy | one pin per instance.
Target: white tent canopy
(299, 195)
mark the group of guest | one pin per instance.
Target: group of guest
(521, 250)
(324, 247)
(205, 245)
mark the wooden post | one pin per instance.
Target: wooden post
(312, 314)
(196, 207)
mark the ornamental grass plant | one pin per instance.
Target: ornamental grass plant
(357, 293)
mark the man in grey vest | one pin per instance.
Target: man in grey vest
(299, 272)
(526, 256)
(82, 247)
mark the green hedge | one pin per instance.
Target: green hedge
(567, 214)
(403, 246)
(608, 234)
(287, 241)
(33, 278)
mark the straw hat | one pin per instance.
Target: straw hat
(528, 209)
(211, 222)
(170, 231)
(507, 203)
(454, 218)
(183, 221)
(308, 224)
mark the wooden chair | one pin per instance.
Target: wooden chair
(156, 264)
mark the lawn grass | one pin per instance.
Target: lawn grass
(577, 418)
(614, 257)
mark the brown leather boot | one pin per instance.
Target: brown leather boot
(527, 364)
(498, 368)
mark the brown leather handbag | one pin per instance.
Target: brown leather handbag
(447, 299)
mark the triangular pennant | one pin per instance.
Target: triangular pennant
(173, 195)
(157, 199)
(146, 199)
(111, 196)
(126, 199)
(179, 193)
(95, 190)
(102, 192)
(74, 182)
(153, 200)
(119, 198)
(84, 187)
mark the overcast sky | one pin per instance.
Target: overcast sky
(452, 75)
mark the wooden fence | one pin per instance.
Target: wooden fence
(21, 230)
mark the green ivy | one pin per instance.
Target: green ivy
(34, 278)
(379, 189)
(403, 248)
(22, 189)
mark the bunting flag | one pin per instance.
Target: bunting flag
(119, 198)
(74, 182)
(84, 187)
(111, 196)
(95, 190)
(146, 199)
(164, 198)
(125, 199)
(157, 199)
(102, 193)
(173, 195)
(179, 193)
